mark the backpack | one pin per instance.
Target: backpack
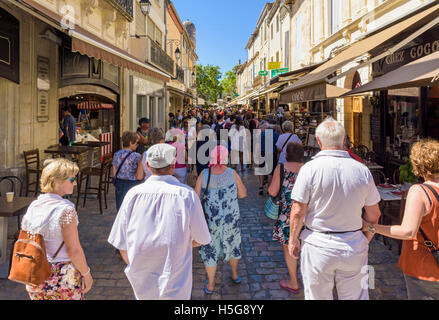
(29, 263)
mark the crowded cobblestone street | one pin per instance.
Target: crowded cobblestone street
(261, 267)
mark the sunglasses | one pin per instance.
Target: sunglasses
(72, 180)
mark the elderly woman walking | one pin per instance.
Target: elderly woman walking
(281, 231)
(125, 164)
(55, 218)
(222, 214)
(420, 225)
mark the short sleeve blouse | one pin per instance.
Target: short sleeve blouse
(129, 168)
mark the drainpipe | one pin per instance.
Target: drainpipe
(165, 90)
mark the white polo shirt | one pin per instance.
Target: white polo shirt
(156, 224)
(336, 188)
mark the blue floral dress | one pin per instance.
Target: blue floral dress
(223, 218)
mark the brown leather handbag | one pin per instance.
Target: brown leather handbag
(29, 263)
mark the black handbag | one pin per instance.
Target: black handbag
(428, 243)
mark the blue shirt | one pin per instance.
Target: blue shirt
(70, 123)
(129, 168)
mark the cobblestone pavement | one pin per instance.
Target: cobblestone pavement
(261, 267)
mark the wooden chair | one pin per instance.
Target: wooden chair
(108, 175)
(378, 176)
(13, 181)
(393, 216)
(32, 163)
(85, 173)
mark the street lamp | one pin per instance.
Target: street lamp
(177, 54)
(145, 6)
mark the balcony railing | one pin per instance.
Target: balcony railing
(125, 7)
(161, 59)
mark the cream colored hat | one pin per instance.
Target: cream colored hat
(161, 155)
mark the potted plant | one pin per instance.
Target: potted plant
(406, 175)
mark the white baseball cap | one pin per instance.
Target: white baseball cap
(161, 155)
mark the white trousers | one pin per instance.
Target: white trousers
(322, 268)
(180, 174)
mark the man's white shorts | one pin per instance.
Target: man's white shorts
(322, 268)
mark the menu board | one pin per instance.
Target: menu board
(375, 130)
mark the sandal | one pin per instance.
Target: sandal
(207, 291)
(261, 191)
(237, 281)
(285, 287)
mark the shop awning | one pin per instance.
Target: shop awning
(320, 91)
(88, 44)
(355, 51)
(418, 73)
(89, 105)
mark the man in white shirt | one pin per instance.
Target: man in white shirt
(158, 224)
(329, 195)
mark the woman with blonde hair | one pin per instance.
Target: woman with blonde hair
(55, 218)
(420, 225)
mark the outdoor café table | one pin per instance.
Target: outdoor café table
(9, 209)
(387, 197)
(66, 150)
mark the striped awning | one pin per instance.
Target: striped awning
(88, 105)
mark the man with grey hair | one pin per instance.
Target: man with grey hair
(157, 225)
(329, 195)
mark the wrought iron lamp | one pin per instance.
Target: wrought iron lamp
(145, 6)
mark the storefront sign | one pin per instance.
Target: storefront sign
(279, 71)
(263, 73)
(273, 65)
(43, 86)
(43, 82)
(429, 43)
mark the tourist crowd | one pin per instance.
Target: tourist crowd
(180, 189)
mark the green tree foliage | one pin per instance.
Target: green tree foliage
(229, 83)
(208, 82)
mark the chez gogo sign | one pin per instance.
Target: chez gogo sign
(402, 57)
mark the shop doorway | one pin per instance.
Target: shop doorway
(97, 119)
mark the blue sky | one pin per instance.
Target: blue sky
(223, 28)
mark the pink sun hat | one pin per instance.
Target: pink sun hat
(219, 156)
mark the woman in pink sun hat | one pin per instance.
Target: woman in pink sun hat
(221, 208)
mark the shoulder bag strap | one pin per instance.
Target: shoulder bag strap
(427, 241)
(282, 177)
(123, 161)
(287, 141)
(207, 185)
(59, 249)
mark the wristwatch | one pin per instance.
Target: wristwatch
(371, 228)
